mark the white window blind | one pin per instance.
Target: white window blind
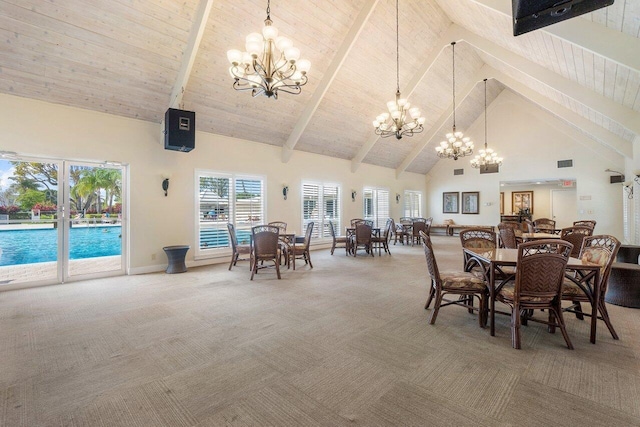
(376, 205)
(413, 204)
(222, 199)
(320, 204)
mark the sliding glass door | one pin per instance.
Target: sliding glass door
(59, 220)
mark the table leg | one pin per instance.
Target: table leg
(492, 299)
(595, 305)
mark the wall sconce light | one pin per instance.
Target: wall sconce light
(165, 183)
(165, 186)
(628, 188)
(285, 191)
(397, 198)
(354, 193)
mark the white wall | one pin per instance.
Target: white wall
(531, 142)
(36, 128)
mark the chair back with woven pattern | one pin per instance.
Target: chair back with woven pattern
(265, 241)
(432, 265)
(602, 250)
(354, 221)
(332, 229)
(586, 222)
(281, 225)
(428, 223)
(405, 220)
(388, 226)
(540, 269)
(508, 238)
(576, 235)
(478, 238)
(509, 224)
(363, 233)
(544, 225)
(414, 220)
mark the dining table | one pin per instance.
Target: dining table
(585, 274)
(527, 237)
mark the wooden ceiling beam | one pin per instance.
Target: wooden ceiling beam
(189, 55)
(625, 116)
(587, 127)
(444, 41)
(477, 77)
(328, 77)
(611, 44)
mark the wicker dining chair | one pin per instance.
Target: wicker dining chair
(529, 225)
(400, 231)
(418, 226)
(601, 250)
(302, 251)
(538, 285)
(265, 247)
(544, 225)
(337, 241)
(237, 250)
(507, 237)
(382, 241)
(576, 235)
(476, 238)
(517, 233)
(586, 222)
(466, 286)
(362, 238)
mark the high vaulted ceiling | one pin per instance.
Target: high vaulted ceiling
(136, 58)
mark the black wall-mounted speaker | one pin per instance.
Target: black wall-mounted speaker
(530, 15)
(179, 130)
(616, 179)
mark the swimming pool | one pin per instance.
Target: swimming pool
(31, 246)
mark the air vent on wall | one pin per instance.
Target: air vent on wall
(490, 169)
(616, 179)
(565, 163)
(458, 171)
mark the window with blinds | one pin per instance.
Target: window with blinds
(227, 198)
(320, 204)
(376, 205)
(413, 204)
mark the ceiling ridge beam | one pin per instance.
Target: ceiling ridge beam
(190, 52)
(328, 77)
(477, 77)
(610, 44)
(625, 116)
(445, 40)
(586, 126)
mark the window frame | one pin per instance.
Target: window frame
(378, 220)
(322, 223)
(407, 209)
(231, 216)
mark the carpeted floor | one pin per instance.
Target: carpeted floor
(344, 343)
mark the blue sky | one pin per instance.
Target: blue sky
(6, 170)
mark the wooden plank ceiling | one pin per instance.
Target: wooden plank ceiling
(123, 57)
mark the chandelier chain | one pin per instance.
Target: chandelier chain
(453, 60)
(485, 113)
(397, 50)
(269, 9)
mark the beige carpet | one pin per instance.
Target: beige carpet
(344, 343)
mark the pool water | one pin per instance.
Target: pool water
(32, 246)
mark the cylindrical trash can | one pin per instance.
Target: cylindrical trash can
(175, 256)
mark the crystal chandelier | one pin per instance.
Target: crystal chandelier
(456, 144)
(404, 119)
(269, 65)
(487, 156)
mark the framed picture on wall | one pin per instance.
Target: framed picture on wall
(522, 201)
(502, 203)
(470, 202)
(450, 202)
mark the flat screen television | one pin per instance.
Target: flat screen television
(529, 15)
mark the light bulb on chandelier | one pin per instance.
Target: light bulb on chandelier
(486, 157)
(456, 144)
(270, 64)
(405, 121)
